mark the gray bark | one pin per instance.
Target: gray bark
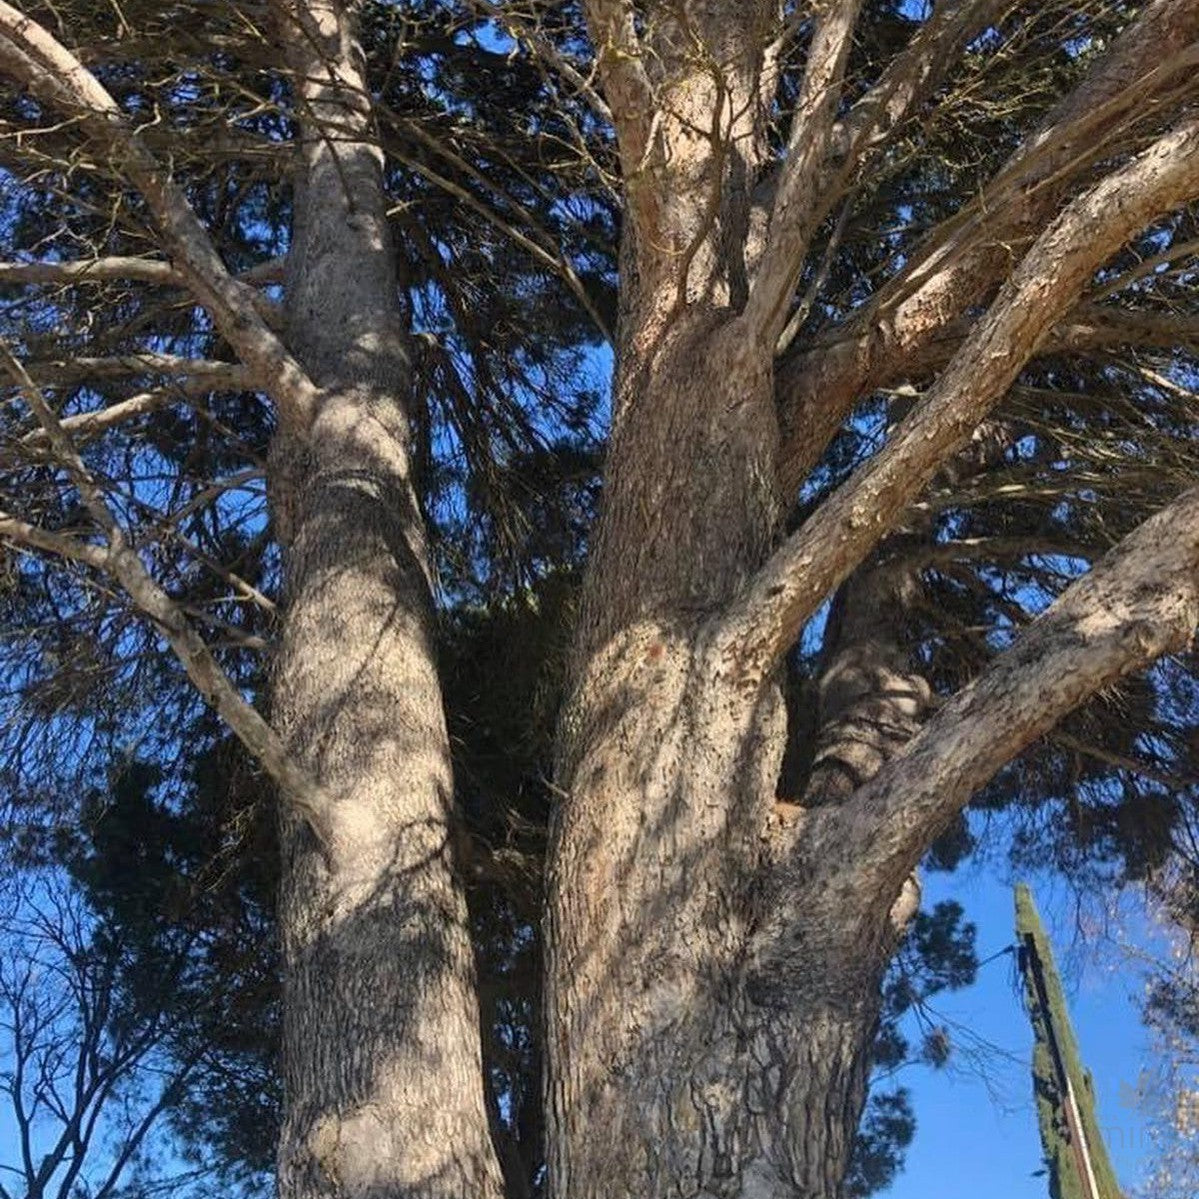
(383, 1078)
(713, 956)
(662, 1032)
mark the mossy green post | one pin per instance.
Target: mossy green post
(1055, 1052)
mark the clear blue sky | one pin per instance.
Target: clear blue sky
(976, 1135)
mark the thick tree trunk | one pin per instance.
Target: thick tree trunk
(713, 956)
(716, 1072)
(381, 1044)
(717, 1066)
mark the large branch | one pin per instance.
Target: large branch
(627, 90)
(1102, 327)
(886, 339)
(1140, 602)
(765, 622)
(31, 55)
(1087, 328)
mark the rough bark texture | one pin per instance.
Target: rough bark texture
(713, 956)
(381, 1047)
(662, 1037)
(651, 1033)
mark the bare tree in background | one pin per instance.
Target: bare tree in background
(86, 1082)
(715, 940)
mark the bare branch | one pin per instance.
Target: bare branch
(803, 195)
(142, 270)
(122, 561)
(23, 533)
(765, 622)
(809, 184)
(35, 58)
(86, 425)
(214, 374)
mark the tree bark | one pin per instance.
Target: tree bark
(715, 1077)
(383, 1076)
(713, 957)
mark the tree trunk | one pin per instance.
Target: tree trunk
(381, 1062)
(718, 1073)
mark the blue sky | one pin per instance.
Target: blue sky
(976, 1128)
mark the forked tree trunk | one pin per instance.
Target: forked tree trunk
(684, 1059)
(716, 1069)
(716, 1072)
(381, 1051)
(714, 958)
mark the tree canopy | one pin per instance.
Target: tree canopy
(142, 396)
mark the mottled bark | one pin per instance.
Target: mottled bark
(662, 1037)
(714, 956)
(381, 1055)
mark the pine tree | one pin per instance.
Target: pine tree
(903, 326)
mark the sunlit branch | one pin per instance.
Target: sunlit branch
(121, 560)
(35, 58)
(766, 621)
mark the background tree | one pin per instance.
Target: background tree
(93, 1068)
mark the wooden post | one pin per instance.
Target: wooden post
(1079, 1167)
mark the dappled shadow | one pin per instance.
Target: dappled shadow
(657, 877)
(383, 1078)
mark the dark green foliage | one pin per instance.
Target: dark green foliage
(887, 1130)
